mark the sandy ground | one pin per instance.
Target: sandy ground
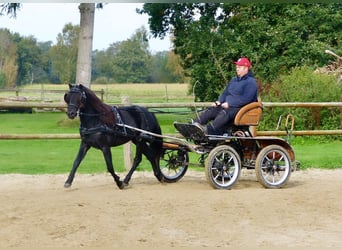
(37, 211)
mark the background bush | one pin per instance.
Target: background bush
(303, 85)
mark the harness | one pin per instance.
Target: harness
(118, 118)
(118, 128)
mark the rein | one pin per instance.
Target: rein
(92, 115)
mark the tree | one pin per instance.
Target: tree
(85, 42)
(44, 73)
(8, 59)
(64, 54)
(302, 84)
(276, 37)
(23, 60)
(29, 59)
(102, 67)
(10, 8)
(166, 68)
(158, 68)
(131, 60)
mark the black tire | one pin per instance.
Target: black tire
(174, 164)
(273, 166)
(223, 167)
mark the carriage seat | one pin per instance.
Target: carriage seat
(249, 115)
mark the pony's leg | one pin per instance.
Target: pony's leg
(142, 148)
(81, 154)
(154, 158)
(136, 162)
(107, 154)
(156, 169)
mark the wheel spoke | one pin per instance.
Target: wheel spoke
(217, 176)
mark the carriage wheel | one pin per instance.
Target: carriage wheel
(273, 166)
(223, 167)
(174, 164)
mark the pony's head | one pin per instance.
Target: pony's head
(75, 99)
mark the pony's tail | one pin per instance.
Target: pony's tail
(157, 143)
(151, 124)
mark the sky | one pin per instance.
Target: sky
(115, 22)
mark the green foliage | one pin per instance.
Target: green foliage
(2, 80)
(29, 63)
(166, 68)
(126, 62)
(64, 54)
(303, 85)
(276, 37)
(207, 37)
(102, 66)
(8, 59)
(9, 9)
(130, 61)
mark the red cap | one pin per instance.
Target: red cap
(243, 61)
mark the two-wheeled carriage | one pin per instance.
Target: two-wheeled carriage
(225, 155)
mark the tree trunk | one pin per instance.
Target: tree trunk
(85, 44)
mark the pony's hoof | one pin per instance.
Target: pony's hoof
(161, 179)
(123, 185)
(67, 185)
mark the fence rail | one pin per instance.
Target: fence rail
(43, 91)
(77, 136)
(13, 104)
(62, 106)
(127, 151)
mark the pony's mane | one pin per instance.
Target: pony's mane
(95, 100)
(90, 94)
(98, 105)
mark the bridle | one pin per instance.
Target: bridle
(83, 97)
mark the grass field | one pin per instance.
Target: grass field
(113, 93)
(56, 156)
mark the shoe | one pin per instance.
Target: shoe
(201, 127)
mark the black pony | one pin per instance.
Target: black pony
(103, 126)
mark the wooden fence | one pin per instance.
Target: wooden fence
(62, 107)
(42, 92)
(128, 148)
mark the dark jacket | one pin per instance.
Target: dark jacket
(240, 91)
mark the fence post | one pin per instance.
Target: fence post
(166, 94)
(42, 96)
(102, 94)
(127, 147)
